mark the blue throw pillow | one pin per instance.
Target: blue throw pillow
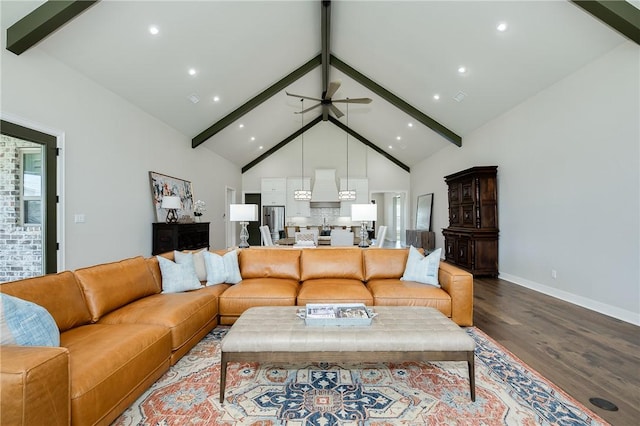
(222, 269)
(422, 269)
(25, 323)
(178, 277)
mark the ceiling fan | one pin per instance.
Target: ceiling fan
(327, 103)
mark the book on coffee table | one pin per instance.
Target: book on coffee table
(336, 314)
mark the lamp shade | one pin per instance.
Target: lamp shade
(243, 212)
(171, 202)
(364, 212)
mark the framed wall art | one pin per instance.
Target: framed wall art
(162, 185)
(423, 212)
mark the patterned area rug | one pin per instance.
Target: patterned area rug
(378, 394)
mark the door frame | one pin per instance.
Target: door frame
(53, 226)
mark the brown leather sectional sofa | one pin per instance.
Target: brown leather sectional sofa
(119, 333)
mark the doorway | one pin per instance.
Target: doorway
(29, 160)
(230, 228)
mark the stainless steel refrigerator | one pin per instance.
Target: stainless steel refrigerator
(273, 217)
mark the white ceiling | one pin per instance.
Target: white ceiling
(240, 48)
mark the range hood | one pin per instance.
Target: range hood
(325, 189)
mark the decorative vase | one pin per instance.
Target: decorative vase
(197, 219)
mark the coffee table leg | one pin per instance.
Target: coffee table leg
(223, 375)
(472, 374)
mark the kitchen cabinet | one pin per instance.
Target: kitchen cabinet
(274, 191)
(471, 240)
(295, 208)
(361, 186)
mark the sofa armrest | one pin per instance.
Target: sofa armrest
(34, 385)
(459, 284)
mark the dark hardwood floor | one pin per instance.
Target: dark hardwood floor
(585, 353)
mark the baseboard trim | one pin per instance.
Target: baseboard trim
(602, 308)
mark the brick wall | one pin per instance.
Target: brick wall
(20, 246)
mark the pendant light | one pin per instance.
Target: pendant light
(347, 194)
(302, 194)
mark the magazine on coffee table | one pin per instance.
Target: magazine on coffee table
(336, 314)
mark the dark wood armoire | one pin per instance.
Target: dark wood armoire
(471, 240)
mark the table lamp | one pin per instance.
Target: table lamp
(172, 203)
(243, 213)
(364, 213)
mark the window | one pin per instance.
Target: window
(31, 186)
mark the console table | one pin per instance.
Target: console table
(179, 236)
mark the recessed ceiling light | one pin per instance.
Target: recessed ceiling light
(253, 138)
(153, 30)
(410, 124)
(502, 26)
(390, 146)
(462, 70)
(436, 97)
(398, 138)
(241, 126)
(192, 71)
(216, 99)
(260, 147)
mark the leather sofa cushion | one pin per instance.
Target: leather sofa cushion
(182, 313)
(269, 263)
(35, 386)
(60, 294)
(384, 263)
(107, 361)
(331, 263)
(109, 286)
(334, 290)
(257, 292)
(394, 292)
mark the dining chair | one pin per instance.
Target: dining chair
(266, 236)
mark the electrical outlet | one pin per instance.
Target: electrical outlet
(554, 274)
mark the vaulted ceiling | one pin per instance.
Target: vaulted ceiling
(405, 56)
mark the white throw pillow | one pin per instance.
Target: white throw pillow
(222, 269)
(178, 277)
(198, 261)
(422, 269)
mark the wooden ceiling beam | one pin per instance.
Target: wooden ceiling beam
(397, 101)
(370, 144)
(325, 33)
(44, 20)
(255, 101)
(619, 15)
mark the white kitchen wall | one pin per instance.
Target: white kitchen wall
(109, 148)
(325, 148)
(569, 186)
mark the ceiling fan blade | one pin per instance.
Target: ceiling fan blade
(303, 97)
(336, 111)
(308, 109)
(353, 101)
(332, 89)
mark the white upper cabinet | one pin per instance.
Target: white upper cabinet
(274, 191)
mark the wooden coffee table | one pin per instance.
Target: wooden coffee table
(277, 334)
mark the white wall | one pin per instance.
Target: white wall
(109, 148)
(569, 186)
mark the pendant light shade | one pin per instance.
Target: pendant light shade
(302, 194)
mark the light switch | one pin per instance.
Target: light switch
(79, 218)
